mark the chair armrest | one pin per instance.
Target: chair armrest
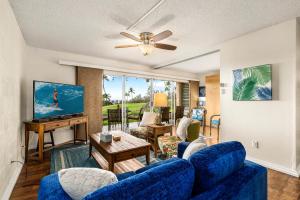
(181, 148)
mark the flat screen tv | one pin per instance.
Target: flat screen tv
(53, 100)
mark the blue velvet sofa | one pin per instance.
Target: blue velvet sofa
(216, 172)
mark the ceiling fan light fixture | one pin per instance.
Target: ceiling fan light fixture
(146, 48)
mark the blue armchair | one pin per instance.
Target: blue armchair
(216, 172)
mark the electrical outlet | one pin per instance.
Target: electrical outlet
(255, 144)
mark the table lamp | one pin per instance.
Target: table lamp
(160, 100)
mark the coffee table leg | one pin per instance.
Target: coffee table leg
(148, 156)
(110, 165)
(155, 146)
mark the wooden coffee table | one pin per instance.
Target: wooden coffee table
(127, 148)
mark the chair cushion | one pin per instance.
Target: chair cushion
(149, 118)
(214, 163)
(215, 122)
(197, 114)
(168, 145)
(140, 132)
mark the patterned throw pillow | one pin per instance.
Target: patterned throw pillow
(182, 127)
(193, 147)
(78, 182)
(197, 114)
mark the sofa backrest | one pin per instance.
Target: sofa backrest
(169, 181)
(213, 164)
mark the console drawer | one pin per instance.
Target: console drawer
(54, 125)
(77, 121)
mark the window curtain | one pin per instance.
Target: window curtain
(194, 94)
(91, 79)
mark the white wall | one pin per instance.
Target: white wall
(271, 123)
(11, 60)
(42, 64)
(203, 75)
(298, 96)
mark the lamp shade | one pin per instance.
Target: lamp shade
(160, 100)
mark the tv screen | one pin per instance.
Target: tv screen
(52, 100)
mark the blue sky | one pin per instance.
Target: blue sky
(140, 86)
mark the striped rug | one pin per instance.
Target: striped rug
(73, 155)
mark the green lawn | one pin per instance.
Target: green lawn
(134, 109)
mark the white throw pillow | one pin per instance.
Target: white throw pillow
(78, 182)
(194, 146)
(148, 118)
(182, 127)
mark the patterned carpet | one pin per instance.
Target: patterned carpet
(72, 155)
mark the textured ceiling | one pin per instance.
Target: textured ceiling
(92, 27)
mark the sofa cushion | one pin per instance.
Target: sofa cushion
(214, 163)
(170, 181)
(249, 182)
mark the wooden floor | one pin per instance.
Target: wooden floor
(280, 186)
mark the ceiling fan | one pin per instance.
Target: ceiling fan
(148, 41)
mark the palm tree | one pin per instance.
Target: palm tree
(131, 92)
(126, 96)
(106, 98)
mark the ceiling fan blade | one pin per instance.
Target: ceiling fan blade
(126, 46)
(131, 36)
(165, 46)
(162, 35)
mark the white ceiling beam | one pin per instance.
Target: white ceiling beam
(149, 74)
(139, 20)
(186, 59)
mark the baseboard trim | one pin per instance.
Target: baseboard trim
(275, 167)
(12, 182)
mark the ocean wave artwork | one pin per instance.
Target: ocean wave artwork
(55, 99)
(253, 83)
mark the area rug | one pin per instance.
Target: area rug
(73, 155)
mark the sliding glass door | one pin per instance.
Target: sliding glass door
(126, 98)
(137, 99)
(112, 94)
(168, 88)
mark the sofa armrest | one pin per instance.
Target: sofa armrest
(50, 189)
(155, 165)
(181, 148)
(249, 182)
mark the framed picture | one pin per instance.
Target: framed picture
(252, 83)
(202, 91)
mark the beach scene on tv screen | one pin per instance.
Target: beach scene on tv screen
(55, 99)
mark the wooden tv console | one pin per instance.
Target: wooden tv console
(42, 127)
